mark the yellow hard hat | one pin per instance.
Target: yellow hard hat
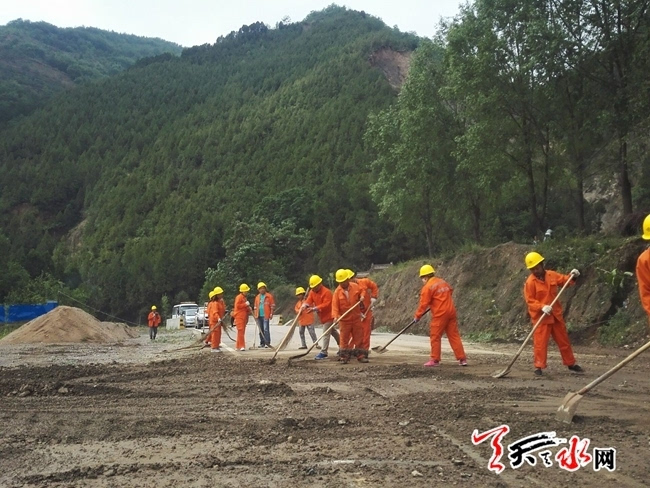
(426, 270)
(211, 294)
(314, 281)
(646, 228)
(350, 273)
(153, 307)
(533, 259)
(244, 288)
(261, 284)
(218, 290)
(342, 275)
(300, 291)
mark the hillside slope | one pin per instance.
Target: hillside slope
(603, 307)
(248, 151)
(38, 60)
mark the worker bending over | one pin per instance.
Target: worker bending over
(436, 297)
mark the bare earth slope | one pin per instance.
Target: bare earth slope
(488, 292)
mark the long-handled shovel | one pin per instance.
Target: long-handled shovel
(287, 338)
(567, 410)
(382, 349)
(329, 329)
(501, 374)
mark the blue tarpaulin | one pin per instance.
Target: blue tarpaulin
(23, 313)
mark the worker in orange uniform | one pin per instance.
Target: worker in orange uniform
(540, 290)
(153, 319)
(263, 312)
(643, 269)
(346, 295)
(305, 319)
(216, 314)
(370, 292)
(436, 297)
(240, 312)
(319, 299)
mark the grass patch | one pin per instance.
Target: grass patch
(580, 252)
(485, 336)
(5, 330)
(621, 329)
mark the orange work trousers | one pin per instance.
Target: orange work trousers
(240, 343)
(351, 337)
(367, 329)
(558, 331)
(445, 325)
(215, 337)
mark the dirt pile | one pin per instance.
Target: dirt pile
(69, 325)
(488, 285)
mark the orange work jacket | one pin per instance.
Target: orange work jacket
(322, 300)
(214, 312)
(153, 319)
(369, 289)
(539, 293)
(643, 277)
(221, 308)
(342, 302)
(269, 306)
(436, 295)
(306, 317)
(240, 310)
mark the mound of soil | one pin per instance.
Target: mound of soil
(69, 325)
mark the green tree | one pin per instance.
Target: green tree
(413, 142)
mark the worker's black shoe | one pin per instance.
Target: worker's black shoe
(538, 372)
(576, 369)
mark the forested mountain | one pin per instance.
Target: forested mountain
(38, 60)
(275, 153)
(245, 156)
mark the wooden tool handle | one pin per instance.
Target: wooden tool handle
(609, 373)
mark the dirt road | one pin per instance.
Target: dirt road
(192, 418)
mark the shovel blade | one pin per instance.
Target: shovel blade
(379, 349)
(501, 374)
(567, 410)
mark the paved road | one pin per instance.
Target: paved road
(406, 344)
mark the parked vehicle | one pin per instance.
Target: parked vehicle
(201, 317)
(187, 310)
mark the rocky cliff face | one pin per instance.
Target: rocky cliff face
(394, 64)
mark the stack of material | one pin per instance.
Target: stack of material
(69, 325)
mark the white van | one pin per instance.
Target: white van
(187, 310)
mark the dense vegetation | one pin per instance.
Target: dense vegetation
(38, 60)
(244, 157)
(512, 115)
(279, 152)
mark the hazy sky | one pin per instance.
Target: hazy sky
(192, 22)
